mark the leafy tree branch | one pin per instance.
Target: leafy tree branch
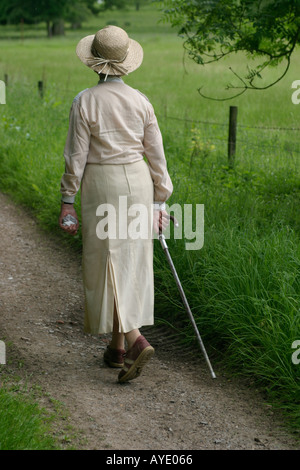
(213, 29)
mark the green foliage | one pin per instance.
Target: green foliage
(122, 4)
(14, 11)
(30, 11)
(77, 12)
(216, 28)
(114, 4)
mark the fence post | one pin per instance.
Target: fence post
(232, 135)
(6, 79)
(41, 88)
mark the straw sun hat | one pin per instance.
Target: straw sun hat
(110, 51)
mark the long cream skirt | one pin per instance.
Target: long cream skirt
(117, 246)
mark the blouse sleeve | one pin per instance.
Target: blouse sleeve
(75, 152)
(154, 152)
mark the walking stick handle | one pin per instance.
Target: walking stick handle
(174, 220)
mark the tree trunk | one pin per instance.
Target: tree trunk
(58, 28)
(76, 25)
(49, 29)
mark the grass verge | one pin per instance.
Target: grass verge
(24, 425)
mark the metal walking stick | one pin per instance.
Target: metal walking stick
(164, 245)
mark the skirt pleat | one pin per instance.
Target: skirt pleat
(117, 239)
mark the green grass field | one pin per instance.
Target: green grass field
(23, 425)
(244, 284)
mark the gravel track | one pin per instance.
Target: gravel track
(173, 405)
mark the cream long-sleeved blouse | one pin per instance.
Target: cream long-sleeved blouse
(113, 124)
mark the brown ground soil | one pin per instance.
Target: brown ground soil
(173, 405)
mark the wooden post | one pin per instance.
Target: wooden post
(6, 79)
(41, 88)
(232, 135)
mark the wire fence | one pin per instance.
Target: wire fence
(233, 134)
(254, 145)
(222, 124)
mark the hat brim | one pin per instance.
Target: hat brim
(133, 59)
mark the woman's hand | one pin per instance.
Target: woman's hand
(161, 220)
(65, 210)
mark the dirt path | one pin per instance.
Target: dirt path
(172, 406)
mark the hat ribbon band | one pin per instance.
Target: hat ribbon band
(111, 63)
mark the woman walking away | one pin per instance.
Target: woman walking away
(112, 128)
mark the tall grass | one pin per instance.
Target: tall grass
(244, 285)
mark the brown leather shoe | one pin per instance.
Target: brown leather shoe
(114, 357)
(135, 359)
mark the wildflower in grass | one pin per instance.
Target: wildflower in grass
(199, 147)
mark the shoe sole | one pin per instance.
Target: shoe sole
(136, 368)
(112, 363)
(115, 365)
